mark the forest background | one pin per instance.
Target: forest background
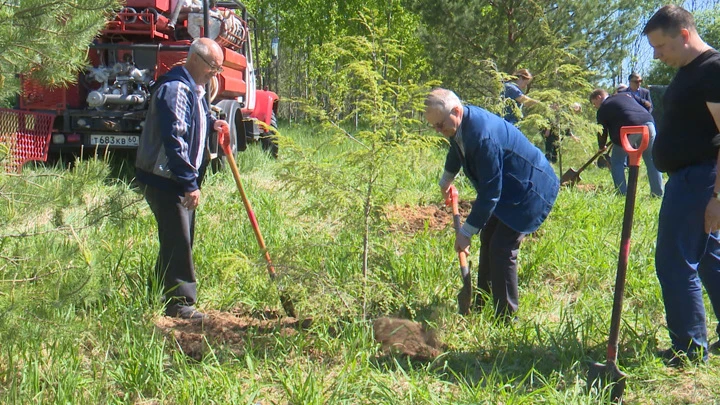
(570, 46)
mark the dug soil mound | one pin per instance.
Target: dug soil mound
(413, 219)
(226, 329)
(402, 337)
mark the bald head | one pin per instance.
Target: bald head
(443, 111)
(205, 60)
(442, 100)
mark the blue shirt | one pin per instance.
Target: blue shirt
(512, 91)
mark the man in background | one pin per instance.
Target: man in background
(687, 254)
(516, 188)
(613, 113)
(170, 164)
(640, 94)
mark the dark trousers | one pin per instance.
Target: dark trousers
(176, 229)
(686, 258)
(552, 142)
(497, 273)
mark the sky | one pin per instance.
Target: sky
(644, 51)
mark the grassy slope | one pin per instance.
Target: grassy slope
(76, 326)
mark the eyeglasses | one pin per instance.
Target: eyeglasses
(438, 126)
(636, 81)
(213, 68)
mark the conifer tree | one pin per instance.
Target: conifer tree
(47, 39)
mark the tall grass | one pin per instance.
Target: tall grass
(76, 325)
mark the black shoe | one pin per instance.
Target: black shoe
(184, 312)
(715, 347)
(679, 358)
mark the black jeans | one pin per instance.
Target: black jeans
(174, 267)
(497, 273)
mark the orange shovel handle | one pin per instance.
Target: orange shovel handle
(634, 154)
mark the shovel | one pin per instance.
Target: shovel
(601, 375)
(464, 297)
(224, 141)
(572, 176)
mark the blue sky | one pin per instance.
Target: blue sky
(643, 51)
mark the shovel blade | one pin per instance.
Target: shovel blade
(571, 177)
(464, 297)
(288, 305)
(603, 376)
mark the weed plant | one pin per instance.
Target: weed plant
(76, 324)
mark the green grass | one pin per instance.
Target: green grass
(76, 327)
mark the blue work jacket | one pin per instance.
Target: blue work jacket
(513, 179)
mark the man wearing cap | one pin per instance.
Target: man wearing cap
(514, 90)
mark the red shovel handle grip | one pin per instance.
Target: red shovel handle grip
(452, 199)
(634, 154)
(224, 141)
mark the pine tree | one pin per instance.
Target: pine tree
(47, 39)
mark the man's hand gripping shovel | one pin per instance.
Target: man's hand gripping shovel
(224, 141)
(464, 297)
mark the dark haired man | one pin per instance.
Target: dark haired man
(641, 95)
(613, 113)
(687, 254)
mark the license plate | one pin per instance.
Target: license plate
(114, 140)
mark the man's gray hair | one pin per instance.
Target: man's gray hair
(443, 100)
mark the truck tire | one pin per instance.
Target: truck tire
(233, 115)
(269, 142)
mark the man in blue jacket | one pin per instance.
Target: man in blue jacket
(516, 188)
(170, 163)
(641, 95)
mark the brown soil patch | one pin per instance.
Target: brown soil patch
(586, 187)
(227, 329)
(235, 329)
(413, 219)
(406, 338)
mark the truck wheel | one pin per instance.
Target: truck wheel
(269, 141)
(233, 116)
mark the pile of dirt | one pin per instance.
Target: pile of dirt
(232, 330)
(226, 329)
(407, 338)
(413, 219)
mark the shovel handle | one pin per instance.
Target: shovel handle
(465, 295)
(224, 141)
(452, 201)
(634, 154)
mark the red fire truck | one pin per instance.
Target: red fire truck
(106, 109)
